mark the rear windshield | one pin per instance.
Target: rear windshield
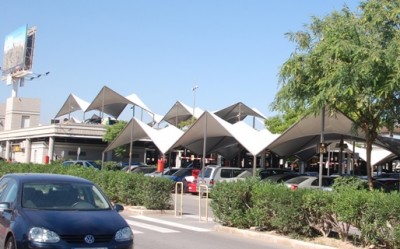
(297, 180)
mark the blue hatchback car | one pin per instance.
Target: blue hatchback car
(59, 211)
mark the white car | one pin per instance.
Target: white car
(85, 163)
(311, 182)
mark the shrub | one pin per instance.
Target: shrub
(129, 189)
(265, 194)
(319, 211)
(232, 203)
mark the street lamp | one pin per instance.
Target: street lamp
(194, 88)
(131, 140)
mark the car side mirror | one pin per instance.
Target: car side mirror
(4, 206)
(118, 207)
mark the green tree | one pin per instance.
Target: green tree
(347, 61)
(280, 123)
(187, 123)
(112, 131)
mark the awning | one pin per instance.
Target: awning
(238, 112)
(302, 138)
(222, 137)
(72, 104)
(109, 102)
(137, 130)
(180, 112)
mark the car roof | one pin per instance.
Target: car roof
(44, 177)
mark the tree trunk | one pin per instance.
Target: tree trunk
(369, 166)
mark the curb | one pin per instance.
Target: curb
(143, 211)
(275, 239)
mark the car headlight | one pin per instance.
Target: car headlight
(39, 234)
(124, 234)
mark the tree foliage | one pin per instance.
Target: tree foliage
(112, 131)
(347, 61)
(187, 123)
(280, 123)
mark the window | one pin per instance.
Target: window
(8, 190)
(226, 173)
(25, 122)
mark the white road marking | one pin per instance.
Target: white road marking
(151, 227)
(173, 224)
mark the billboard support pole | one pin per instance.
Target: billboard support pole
(14, 91)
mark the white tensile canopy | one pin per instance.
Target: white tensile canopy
(302, 138)
(135, 100)
(72, 104)
(138, 130)
(378, 154)
(180, 112)
(222, 137)
(238, 112)
(109, 102)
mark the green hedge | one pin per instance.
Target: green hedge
(121, 187)
(310, 213)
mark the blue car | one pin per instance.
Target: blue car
(179, 176)
(59, 211)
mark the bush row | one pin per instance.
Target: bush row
(125, 188)
(350, 212)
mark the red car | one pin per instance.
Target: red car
(192, 187)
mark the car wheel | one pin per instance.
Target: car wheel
(10, 243)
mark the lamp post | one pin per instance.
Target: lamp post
(194, 88)
(131, 140)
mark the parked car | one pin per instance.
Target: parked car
(166, 172)
(59, 211)
(387, 184)
(192, 187)
(311, 182)
(215, 173)
(279, 178)
(85, 163)
(242, 176)
(132, 166)
(143, 169)
(272, 171)
(179, 176)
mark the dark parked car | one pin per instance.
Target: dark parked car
(272, 171)
(59, 211)
(179, 176)
(387, 184)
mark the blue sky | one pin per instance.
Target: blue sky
(159, 49)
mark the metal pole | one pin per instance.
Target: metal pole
(254, 165)
(131, 140)
(194, 98)
(321, 154)
(204, 149)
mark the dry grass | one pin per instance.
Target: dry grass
(336, 243)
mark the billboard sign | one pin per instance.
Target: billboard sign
(14, 51)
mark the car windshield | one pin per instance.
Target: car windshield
(63, 196)
(182, 172)
(207, 173)
(94, 164)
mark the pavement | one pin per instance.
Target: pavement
(246, 233)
